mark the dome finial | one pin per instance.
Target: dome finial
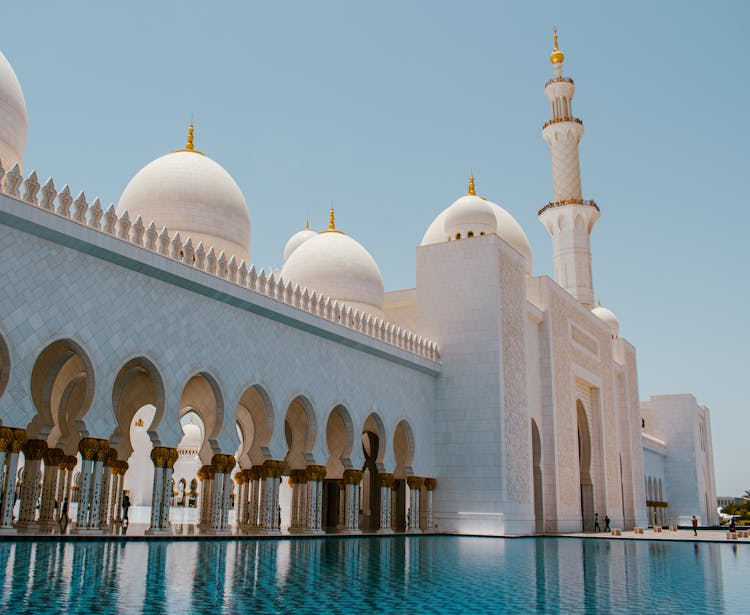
(190, 145)
(331, 220)
(307, 223)
(471, 190)
(191, 130)
(557, 56)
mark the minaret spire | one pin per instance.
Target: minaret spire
(569, 218)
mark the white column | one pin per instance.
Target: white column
(415, 484)
(156, 495)
(313, 499)
(104, 518)
(15, 441)
(226, 501)
(48, 513)
(386, 482)
(294, 482)
(352, 480)
(394, 503)
(96, 493)
(252, 517)
(302, 502)
(62, 478)
(272, 471)
(166, 495)
(342, 505)
(241, 498)
(114, 490)
(429, 485)
(33, 453)
(84, 489)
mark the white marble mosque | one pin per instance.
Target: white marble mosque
(142, 352)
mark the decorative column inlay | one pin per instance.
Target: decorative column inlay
(386, 483)
(48, 513)
(104, 507)
(254, 476)
(93, 451)
(272, 471)
(33, 453)
(314, 499)
(429, 485)
(14, 443)
(415, 485)
(352, 478)
(241, 501)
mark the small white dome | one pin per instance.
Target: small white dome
(191, 194)
(608, 317)
(296, 240)
(14, 122)
(192, 438)
(469, 215)
(505, 226)
(336, 265)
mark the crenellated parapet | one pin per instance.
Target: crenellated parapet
(204, 258)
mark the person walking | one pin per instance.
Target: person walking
(64, 516)
(125, 506)
(597, 527)
(695, 525)
(606, 524)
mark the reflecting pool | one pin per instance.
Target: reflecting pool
(389, 575)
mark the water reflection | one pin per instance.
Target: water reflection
(399, 574)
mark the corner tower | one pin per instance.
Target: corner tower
(568, 218)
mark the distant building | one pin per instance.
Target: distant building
(723, 500)
(678, 460)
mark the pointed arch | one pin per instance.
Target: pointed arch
(60, 407)
(403, 449)
(202, 394)
(300, 426)
(4, 366)
(584, 465)
(340, 440)
(138, 383)
(255, 418)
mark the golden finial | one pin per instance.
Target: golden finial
(190, 146)
(191, 130)
(556, 56)
(471, 190)
(599, 303)
(307, 224)
(332, 223)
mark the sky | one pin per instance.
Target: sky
(383, 109)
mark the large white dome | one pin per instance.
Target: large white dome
(609, 318)
(336, 265)
(471, 212)
(190, 193)
(14, 123)
(296, 240)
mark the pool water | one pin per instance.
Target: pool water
(435, 574)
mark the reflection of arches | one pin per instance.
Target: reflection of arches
(300, 430)
(137, 384)
(62, 388)
(255, 420)
(203, 396)
(584, 464)
(4, 366)
(536, 455)
(403, 449)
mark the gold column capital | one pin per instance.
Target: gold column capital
(385, 479)
(6, 437)
(54, 456)
(352, 477)
(34, 449)
(414, 482)
(315, 472)
(430, 484)
(18, 440)
(273, 468)
(159, 455)
(239, 477)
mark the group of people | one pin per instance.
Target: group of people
(597, 527)
(64, 519)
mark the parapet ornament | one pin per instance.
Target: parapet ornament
(160, 242)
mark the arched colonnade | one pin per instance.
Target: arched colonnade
(344, 475)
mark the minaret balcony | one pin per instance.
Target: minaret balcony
(558, 80)
(551, 204)
(557, 120)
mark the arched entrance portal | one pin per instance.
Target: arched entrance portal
(584, 464)
(536, 455)
(373, 447)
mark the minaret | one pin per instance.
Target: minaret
(568, 218)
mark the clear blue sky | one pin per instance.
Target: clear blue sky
(384, 108)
